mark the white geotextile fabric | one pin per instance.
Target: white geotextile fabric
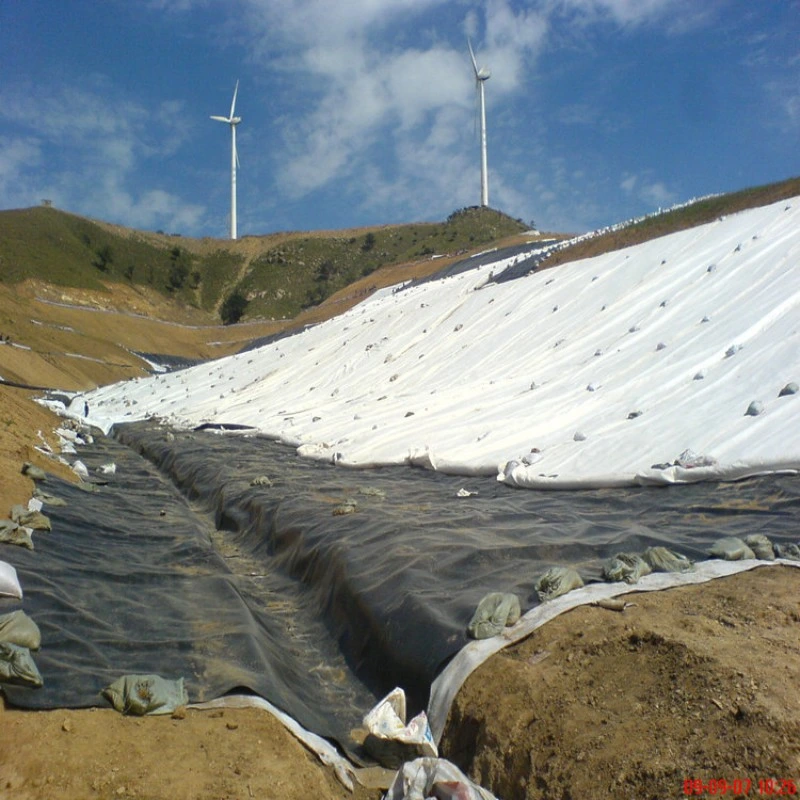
(653, 477)
(472, 655)
(585, 375)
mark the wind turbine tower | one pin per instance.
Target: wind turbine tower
(233, 122)
(481, 76)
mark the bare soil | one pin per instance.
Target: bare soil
(220, 755)
(692, 683)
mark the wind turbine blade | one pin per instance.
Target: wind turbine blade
(236, 154)
(233, 104)
(472, 55)
(221, 119)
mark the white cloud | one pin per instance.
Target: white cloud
(510, 36)
(784, 97)
(306, 22)
(177, 5)
(150, 209)
(84, 149)
(17, 156)
(369, 102)
(791, 106)
(422, 81)
(653, 193)
(624, 12)
(401, 98)
(657, 194)
(634, 11)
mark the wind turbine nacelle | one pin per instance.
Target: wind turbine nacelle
(483, 74)
(235, 120)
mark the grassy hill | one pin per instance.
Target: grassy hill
(280, 280)
(698, 213)
(278, 275)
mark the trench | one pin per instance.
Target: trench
(317, 587)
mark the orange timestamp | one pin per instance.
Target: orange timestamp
(765, 787)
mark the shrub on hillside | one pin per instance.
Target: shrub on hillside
(233, 307)
(103, 258)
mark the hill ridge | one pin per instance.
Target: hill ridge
(69, 250)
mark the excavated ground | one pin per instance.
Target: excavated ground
(692, 683)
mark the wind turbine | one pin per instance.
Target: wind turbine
(481, 76)
(233, 122)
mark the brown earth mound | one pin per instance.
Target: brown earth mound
(98, 753)
(690, 684)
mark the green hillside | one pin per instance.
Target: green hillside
(67, 250)
(272, 276)
(305, 270)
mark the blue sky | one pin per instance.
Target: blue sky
(363, 112)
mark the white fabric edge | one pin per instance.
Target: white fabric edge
(674, 475)
(472, 655)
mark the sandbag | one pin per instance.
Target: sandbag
(19, 629)
(48, 499)
(557, 581)
(688, 459)
(761, 546)
(11, 533)
(80, 469)
(33, 472)
(17, 666)
(138, 695)
(389, 739)
(494, 612)
(30, 519)
(790, 552)
(9, 583)
(627, 567)
(661, 559)
(731, 548)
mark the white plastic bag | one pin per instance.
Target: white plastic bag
(434, 777)
(387, 720)
(80, 469)
(9, 583)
